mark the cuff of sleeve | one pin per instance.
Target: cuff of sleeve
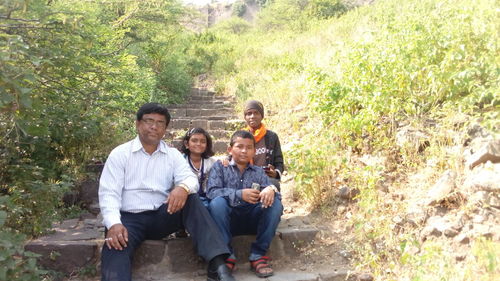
(238, 194)
(111, 220)
(189, 189)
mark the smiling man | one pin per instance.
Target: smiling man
(148, 191)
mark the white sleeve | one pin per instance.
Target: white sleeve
(183, 173)
(111, 185)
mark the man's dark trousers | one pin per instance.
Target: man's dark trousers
(154, 225)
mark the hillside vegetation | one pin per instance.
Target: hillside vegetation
(341, 83)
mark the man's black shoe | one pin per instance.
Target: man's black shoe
(221, 274)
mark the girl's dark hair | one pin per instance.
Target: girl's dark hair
(241, 134)
(208, 151)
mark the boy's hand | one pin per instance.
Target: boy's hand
(267, 197)
(176, 199)
(250, 195)
(271, 172)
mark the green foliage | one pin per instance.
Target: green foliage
(325, 9)
(72, 73)
(15, 263)
(339, 83)
(239, 8)
(234, 25)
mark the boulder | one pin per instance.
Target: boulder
(442, 188)
(489, 152)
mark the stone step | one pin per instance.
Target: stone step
(215, 134)
(225, 105)
(203, 102)
(244, 274)
(77, 244)
(218, 146)
(197, 112)
(211, 124)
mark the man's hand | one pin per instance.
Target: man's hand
(271, 172)
(267, 197)
(117, 237)
(176, 199)
(250, 195)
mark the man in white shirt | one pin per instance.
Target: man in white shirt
(138, 202)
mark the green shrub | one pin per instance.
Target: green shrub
(325, 9)
(15, 263)
(239, 8)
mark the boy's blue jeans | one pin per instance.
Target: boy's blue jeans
(247, 219)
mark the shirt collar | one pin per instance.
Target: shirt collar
(249, 166)
(137, 145)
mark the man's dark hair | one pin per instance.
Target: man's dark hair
(208, 151)
(241, 134)
(153, 107)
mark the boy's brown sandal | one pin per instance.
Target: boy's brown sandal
(259, 266)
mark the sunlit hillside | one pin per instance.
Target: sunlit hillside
(342, 86)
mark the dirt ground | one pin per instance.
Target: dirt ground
(328, 249)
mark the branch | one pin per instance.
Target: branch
(15, 19)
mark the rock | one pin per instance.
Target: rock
(442, 188)
(478, 219)
(374, 161)
(430, 231)
(479, 197)
(416, 216)
(71, 198)
(494, 201)
(89, 191)
(460, 256)
(411, 137)
(483, 230)
(345, 254)
(477, 131)
(484, 178)
(347, 193)
(67, 257)
(450, 232)
(365, 277)
(489, 152)
(462, 238)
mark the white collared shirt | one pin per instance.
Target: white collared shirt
(134, 181)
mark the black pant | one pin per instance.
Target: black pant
(154, 225)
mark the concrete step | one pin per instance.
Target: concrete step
(198, 112)
(207, 123)
(77, 244)
(215, 134)
(244, 274)
(219, 146)
(227, 105)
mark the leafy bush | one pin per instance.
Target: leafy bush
(15, 263)
(325, 9)
(239, 8)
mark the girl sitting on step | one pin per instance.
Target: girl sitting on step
(198, 152)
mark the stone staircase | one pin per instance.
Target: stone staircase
(205, 110)
(74, 246)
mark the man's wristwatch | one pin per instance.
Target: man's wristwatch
(185, 187)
